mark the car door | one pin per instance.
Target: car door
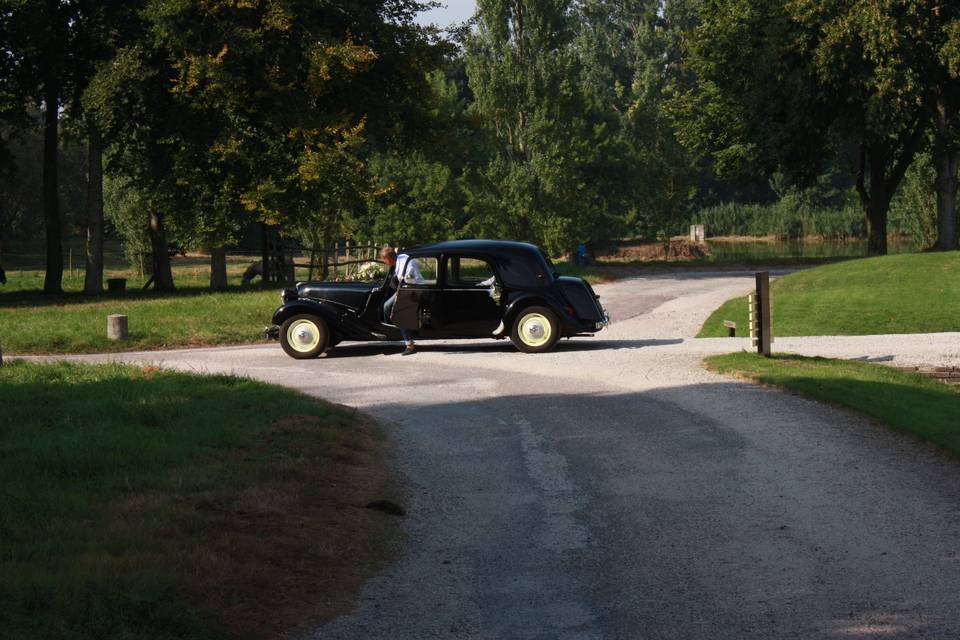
(470, 300)
(416, 295)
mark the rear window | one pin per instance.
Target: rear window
(526, 270)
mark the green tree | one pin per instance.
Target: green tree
(784, 85)
(131, 100)
(544, 180)
(633, 53)
(941, 34)
(37, 36)
(296, 92)
(101, 27)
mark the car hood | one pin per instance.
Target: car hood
(350, 294)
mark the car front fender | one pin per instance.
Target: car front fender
(305, 306)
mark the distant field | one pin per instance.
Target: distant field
(907, 293)
(926, 408)
(143, 503)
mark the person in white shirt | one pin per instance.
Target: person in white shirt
(407, 271)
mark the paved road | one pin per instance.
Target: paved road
(614, 489)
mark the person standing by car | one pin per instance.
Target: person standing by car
(402, 269)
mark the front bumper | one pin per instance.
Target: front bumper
(272, 332)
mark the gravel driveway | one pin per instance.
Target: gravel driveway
(615, 489)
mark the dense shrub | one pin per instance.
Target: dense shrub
(784, 219)
(914, 208)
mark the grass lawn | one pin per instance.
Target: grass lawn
(907, 293)
(142, 503)
(926, 408)
(34, 323)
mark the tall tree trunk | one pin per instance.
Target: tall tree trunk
(93, 280)
(946, 159)
(887, 163)
(947, 163)
(265, 253)
(53, 279)
(218, 269)
(877, 210)
(877, 206)
(162, 274)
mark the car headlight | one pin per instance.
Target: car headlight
(288, 294)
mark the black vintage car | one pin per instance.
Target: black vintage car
(458, 289)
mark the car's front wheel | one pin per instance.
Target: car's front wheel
(304, 336)
(535, 330)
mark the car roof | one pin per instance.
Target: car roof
(482, 247)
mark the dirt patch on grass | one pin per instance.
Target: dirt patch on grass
(273, 537)
(676, 249)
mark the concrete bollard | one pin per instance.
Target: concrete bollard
(117, 327)
(731, 328)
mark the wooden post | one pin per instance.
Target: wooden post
(117, 327)
(336, 258)
(698, 233)
(346, 268)
(761, 327)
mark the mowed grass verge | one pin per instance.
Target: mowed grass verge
(34, 323)
(926, 408)
(144, 503)
(907, 293)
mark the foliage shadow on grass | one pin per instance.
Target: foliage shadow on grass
(145, 503)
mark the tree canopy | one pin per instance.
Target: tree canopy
(554, 121)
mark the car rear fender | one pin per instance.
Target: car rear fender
(526, 300)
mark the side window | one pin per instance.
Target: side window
(421, 271)
(468, 272)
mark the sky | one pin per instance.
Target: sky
(453, 11)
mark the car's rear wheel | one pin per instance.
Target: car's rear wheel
(304, 336)
(535, 330)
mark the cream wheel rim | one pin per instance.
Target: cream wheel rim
(535, 330)
(303, 336)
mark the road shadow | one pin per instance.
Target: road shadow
(359, 349)
(699, 497)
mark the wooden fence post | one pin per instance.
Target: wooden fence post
(761, 325)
